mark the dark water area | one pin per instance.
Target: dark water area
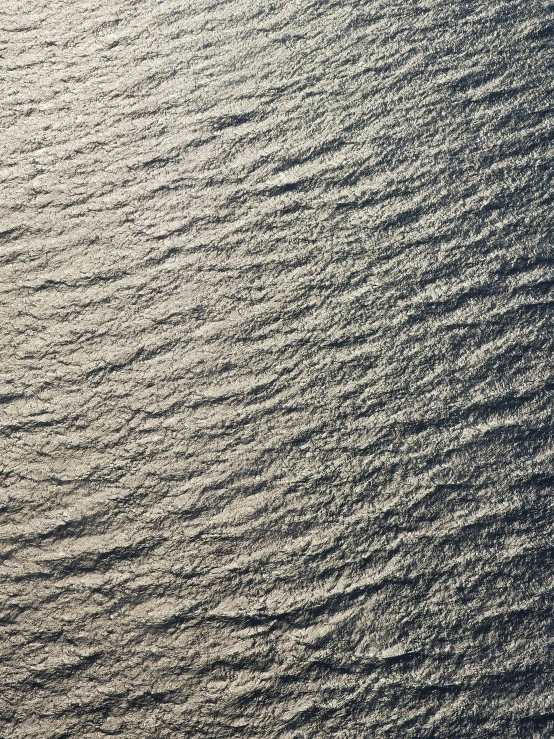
(276, 369)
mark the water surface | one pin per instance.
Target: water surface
(277, 302)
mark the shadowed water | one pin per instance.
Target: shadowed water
(277, 302)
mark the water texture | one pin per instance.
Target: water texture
(277, 305)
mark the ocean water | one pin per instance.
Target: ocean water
(276, 341)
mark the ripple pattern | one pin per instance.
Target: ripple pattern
(276, 434)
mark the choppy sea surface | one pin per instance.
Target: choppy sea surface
(276, 369)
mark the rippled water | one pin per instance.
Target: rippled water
(276, 369)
